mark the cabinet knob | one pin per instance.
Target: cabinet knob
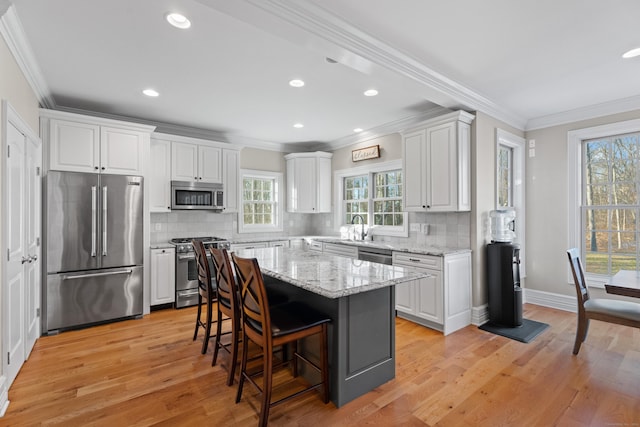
(103, 168)
(95, 167)
(200, 178)
(163, 251)
(424, 207)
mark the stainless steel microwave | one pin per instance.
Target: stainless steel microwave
(190, 195)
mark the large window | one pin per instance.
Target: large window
(375, 193)
(610, 207)
(261, 207)
(604, 207)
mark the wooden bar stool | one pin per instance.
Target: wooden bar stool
(269, 327)
(227, 290)
(207, 294)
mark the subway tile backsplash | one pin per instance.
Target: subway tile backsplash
(451, 230)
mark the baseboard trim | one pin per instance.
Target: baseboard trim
(4, 396)
(551, 300)
(480, 315)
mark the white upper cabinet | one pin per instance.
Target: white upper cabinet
(231, 179)
(196, 162)
(78, 143)
(309, 182)
(159, 183)
(436, 163)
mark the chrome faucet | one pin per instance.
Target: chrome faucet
(353, 219)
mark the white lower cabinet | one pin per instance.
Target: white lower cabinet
(239, 246)
(441, 301)
(163, 276)
(279, 244)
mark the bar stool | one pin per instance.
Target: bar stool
(207, 294)
(269, 327)
(227, 290)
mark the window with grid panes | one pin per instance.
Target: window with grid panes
(387, 200)
(258, 201)
(356, 197)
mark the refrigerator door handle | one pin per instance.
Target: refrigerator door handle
(94, 208)
(84, 276)
(104, 221)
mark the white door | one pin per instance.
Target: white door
(33, 187)
(21, 288)
(13, 296)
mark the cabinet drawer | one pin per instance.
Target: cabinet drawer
(342, 250)
(417, 260)
(315, 246)
(279, 244)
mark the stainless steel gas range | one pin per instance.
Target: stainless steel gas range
(187, 269)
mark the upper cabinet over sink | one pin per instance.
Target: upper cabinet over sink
(309, 182)
(79, 143)
(436, 162)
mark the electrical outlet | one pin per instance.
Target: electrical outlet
(158, 226)
(425, 228)
(414, 227)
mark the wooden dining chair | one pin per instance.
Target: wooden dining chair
(607, 310)
(207, 294)
(274, 326)
(228, 306)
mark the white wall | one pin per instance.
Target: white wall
(547, 222)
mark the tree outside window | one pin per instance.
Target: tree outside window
(610, 204)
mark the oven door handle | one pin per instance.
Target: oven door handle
(190, 257)
(188, 293)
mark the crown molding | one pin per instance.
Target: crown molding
(13, 34)
(585, 113)
(324, 25)
(187, 131)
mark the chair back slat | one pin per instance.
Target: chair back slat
(578, 276)
(227, 288)
(253, 296)
(204, 272)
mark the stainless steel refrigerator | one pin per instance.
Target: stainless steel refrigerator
(93, 250)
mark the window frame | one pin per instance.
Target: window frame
(340, 214)
(517, 145)
(575, 185)
(278, 192)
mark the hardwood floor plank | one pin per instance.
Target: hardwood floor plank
(149, 372)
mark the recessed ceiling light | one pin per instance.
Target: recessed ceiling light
(178, 21)
(150, 92)
(357, 130)
(296, 83)
(632, 53)
(370, 92)
(298, 125)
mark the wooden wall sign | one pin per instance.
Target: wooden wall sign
(365, 153)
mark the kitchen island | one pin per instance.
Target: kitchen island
(359, 296)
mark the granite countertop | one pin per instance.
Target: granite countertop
(328, 275)
(397, 247)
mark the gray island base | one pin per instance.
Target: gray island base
(359, 296)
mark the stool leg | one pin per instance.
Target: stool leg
(325, 363)
(217, 344)
(243, 367)
(294, 348)
(235, 332)
(207, 328)
(266, 387)
(195, 334)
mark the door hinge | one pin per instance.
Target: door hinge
(38, 171)
(8, 254)
(37, 241)
(38, 312)
(8, 151)
(8, 358)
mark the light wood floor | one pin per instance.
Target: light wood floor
(149, 372)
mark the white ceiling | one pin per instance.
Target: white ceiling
(527, 63)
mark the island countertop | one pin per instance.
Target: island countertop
(328, 275)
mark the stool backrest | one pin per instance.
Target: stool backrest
(226, 284)
(253, 299)
(204, 273)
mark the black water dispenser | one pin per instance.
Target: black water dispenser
(505, 293)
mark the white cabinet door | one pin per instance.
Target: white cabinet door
(429, 298)
(209, 164)
(323, 183)
(414, 172)
(163, 287)
(160, 176)
(184, 161)
(303, 185)
(442, 168)
(73, 146)
(121, 151)
(404, 296)
(231, 179)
